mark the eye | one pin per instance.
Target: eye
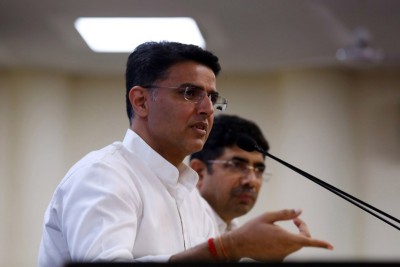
(259, 169)
(238, 164)
(213, 97)
(192, 92)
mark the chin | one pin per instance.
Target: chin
(198, 145)
(245, 207)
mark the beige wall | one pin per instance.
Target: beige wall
(339, 126)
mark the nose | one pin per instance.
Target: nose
(205, 106)
(249, 177)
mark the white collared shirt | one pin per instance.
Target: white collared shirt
(219, 223)
(124, 202)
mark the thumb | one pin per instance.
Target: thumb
(281, 215)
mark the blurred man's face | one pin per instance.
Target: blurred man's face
(231, 192)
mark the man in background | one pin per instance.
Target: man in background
(229, 177)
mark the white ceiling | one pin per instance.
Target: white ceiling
(247, 35)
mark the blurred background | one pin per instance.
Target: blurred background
(321, 78)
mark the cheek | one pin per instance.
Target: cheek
(163, 113)
(174, 114)
(225, 184)
(215, 183)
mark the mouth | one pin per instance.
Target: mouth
(201, 127)
(245, 195)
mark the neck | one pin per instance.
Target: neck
(175, 160)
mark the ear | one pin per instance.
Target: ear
(138, 96)
(200, 167)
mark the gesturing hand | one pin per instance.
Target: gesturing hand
(262, 240)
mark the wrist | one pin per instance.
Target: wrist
(218, 250)
(229, 247)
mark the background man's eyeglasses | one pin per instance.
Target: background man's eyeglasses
(196, 94)
(238, 166)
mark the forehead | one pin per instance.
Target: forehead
(252, 157)
(191, 72)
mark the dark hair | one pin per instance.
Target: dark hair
(225, 132)
(150, 61)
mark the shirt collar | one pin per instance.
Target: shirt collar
(223, 227)
(179, 181)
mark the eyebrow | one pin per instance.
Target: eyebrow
(214, 91)
(241, 159)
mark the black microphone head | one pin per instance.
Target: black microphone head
(246, 143)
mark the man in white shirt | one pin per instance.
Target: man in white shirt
(136, 200)
(229, 177)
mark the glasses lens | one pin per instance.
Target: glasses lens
(233, 165)
(219, 102)
(197, 94)
(266, 176)
(214, 97)
(194, 94)
(237, 166)
(259, 171)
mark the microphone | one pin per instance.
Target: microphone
(248, 144)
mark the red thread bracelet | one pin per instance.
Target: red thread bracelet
(212, 249)
(223, 248)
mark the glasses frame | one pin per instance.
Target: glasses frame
(265, 176)
(219, 102)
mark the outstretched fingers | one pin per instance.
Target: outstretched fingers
(263, 239)
(302, 226)
(305, 236)
(281, 215)
(311, 242)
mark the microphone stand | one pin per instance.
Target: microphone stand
(359, 203)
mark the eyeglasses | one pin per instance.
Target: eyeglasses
(196, 94)
(239, 166)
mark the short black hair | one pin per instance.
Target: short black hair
(225, 132)
(150, 61)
